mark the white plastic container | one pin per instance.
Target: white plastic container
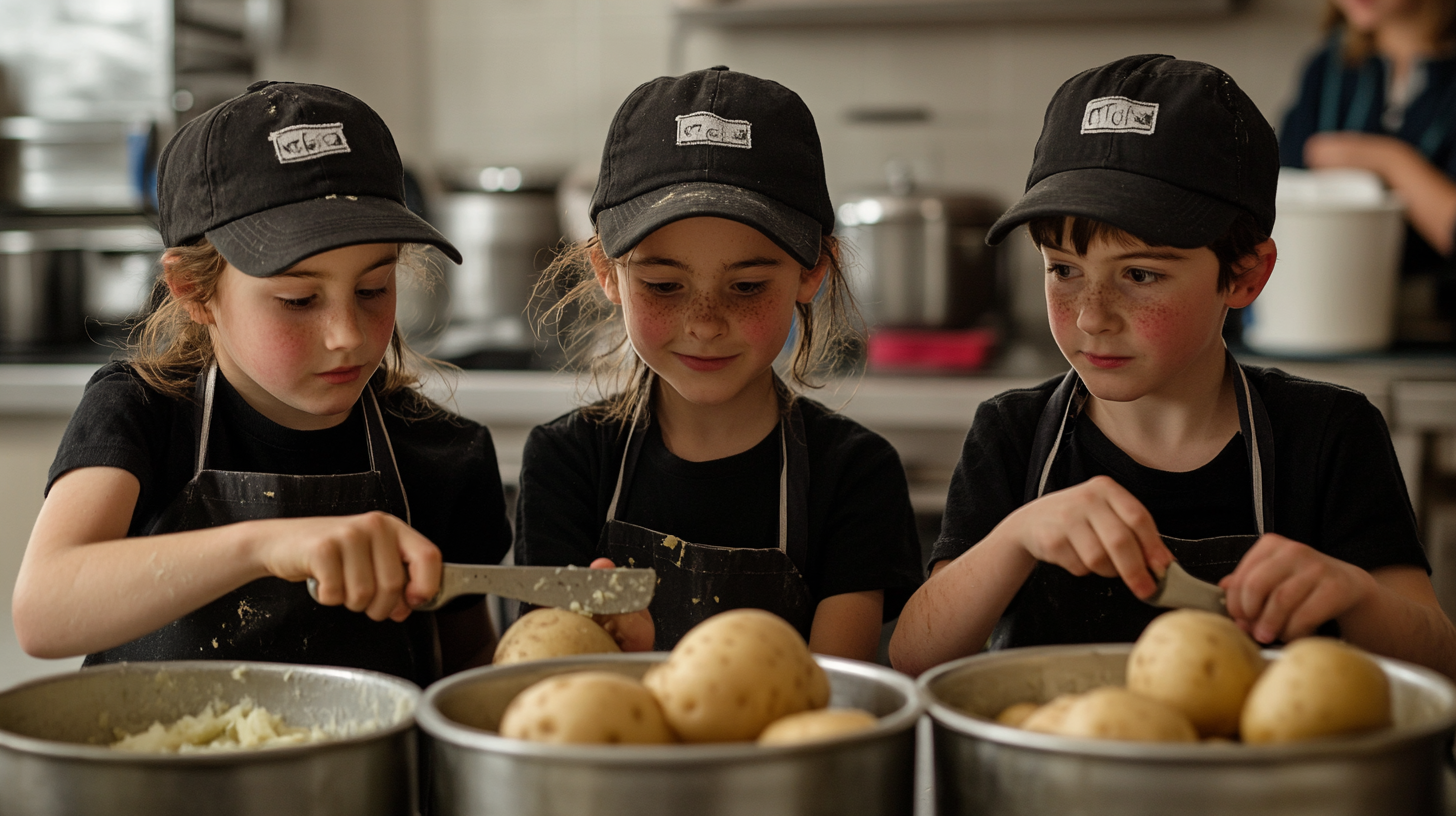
(1339, 235)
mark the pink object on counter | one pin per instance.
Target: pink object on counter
(930, 350)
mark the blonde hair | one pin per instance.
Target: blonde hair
(1358, 46)
(569, 301)
(169, 350)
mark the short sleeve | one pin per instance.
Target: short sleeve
(557, 517)
(990, 478)
(868, 539)
(119, 423)
(1365, 513)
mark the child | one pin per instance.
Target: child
(266, 428)
(1151, 198)
(1378, 96)
(713, 231)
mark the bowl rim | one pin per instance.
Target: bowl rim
(20, 743)
(947, 717)
(442, 728)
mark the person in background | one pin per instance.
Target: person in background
(266, 427)
(1151, 199)
(1380, 95)
(712, 249)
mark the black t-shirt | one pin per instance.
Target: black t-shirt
(447, 463)
(1337, 483)
(861, 527)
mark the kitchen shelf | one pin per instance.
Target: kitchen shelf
(868, 12)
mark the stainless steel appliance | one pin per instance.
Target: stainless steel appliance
(983, 767)
(919, 258)
(506, 236)
(54, 734)
(477, 772)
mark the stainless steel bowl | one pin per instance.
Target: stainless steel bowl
(480, 773)
(984, 768)
(54, 733)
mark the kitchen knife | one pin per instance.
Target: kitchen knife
(588, 591)
(1178, 590)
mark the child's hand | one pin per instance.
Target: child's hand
(1283, 589)
(372, 563)
(633, 631)
(1094, 527)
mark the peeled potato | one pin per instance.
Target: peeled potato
(1199, 663)
(586, 707)
(544, 633)
(1016, 714)
(812, 726)
(733, 674)
(1318, 687)
(1113, 712)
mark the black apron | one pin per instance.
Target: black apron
(697, 581)
(1054, 606)
(272, 619)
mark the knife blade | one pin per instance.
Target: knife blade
(588, 591)
(1179, 590)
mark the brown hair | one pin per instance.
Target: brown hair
(1238, 242)
(569, 300)
(168, 350)
(1440, 19)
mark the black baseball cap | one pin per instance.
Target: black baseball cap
(1168, 150)
(713, 143)
(283, 172)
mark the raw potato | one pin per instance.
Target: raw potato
(586, 707)
(1199, 663)
(1113, 712)
(733, 674)
(544, 633)
(1016, 714)
(812, 726)
(1318, 687)
(1048, 718)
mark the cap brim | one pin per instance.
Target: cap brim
(625, 225)
(267, 243)
(1155, 211)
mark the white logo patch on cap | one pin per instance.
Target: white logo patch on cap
(704, 128)
(1118, 114)
(304, 142)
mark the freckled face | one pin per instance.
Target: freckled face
(1135, 320)
(300, 346)
(708, 304)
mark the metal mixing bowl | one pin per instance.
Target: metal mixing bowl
(982, 767)
(477, 772)
(54, 734)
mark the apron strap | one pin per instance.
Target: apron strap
(1065, 403)
(382, 460)
(207, 384)
(794, 490)
(634, 446)
(1334, 84)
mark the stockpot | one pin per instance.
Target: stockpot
(54, 733)
(982, 767)
(477, 772)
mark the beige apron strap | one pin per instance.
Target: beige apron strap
(631, 429)
(207, 393)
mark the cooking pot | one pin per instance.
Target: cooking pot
(982, 767)
(919, 258)
(54, 733)
(477, 772)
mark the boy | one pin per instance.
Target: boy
(1151, 198)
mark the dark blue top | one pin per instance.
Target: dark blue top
(1345, 97)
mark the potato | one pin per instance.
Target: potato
(1016, 714)
(1199, 663)
(733, 674)
(1318, 687)
(812, 726)
(586, 707)
(1047, 718)
(544, 633)
(1113, 712)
